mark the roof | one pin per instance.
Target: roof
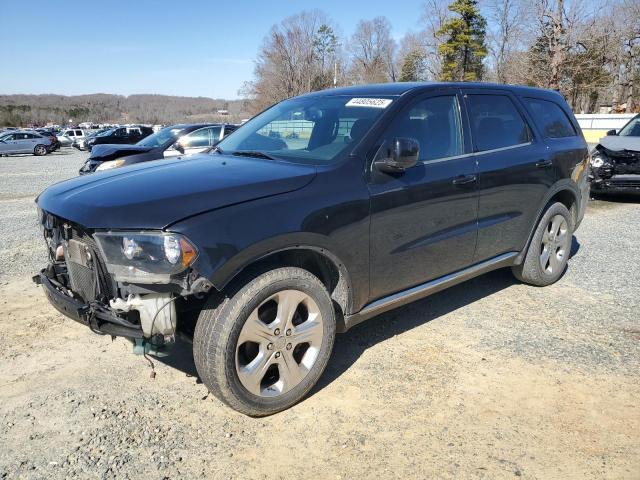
(400, 88)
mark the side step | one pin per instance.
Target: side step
(425, 289)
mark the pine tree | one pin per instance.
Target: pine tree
(412, 67)
(464, 47)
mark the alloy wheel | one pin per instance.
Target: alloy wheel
(279, 343)
(555, 245)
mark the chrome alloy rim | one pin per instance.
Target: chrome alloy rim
(279, 343)
(555, 245)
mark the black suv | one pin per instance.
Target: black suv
(120, 135)
(321, 212)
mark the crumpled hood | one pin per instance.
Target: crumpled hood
(106, 151)
(154, 195)
(617, 143)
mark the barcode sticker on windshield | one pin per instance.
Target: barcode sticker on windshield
(369, 102)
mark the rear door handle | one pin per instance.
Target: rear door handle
(544, 163)
(464, 179)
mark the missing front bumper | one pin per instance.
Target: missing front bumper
(98, 318)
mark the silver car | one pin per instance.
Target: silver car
(67, 136)
(24, 142)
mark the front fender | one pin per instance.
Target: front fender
(333, 222)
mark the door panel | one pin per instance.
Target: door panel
(423, 221)
(514, 170)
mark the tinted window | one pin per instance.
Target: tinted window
(551, 119)
(120, 132)
(434, 123)
(215, 134)
(496, 123)
(78, 133)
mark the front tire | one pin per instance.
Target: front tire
(262, 347)
(548, 253)
(40, 150)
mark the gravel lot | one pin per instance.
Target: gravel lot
(489, 379)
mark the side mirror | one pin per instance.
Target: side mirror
(612, 132)
(400, 155)
(178, 147)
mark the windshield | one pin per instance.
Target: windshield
(631, 129)
(313, 130)
(106, 132)
(160, 137)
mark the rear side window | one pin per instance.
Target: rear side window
(551, 119)
(496, 122)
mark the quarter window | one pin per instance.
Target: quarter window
(435, 123)
(496, 122)
(551, 119)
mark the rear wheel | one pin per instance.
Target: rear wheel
(40, 150)
(264, 346)
(548, 252)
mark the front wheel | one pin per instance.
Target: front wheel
(264, 346)
(40, 150)
(548, 253)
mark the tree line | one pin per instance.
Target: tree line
(21, 110)
(588, 53)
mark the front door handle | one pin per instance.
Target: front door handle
(464, 179)
(544, 163)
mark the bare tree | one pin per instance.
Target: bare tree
(434, 14)
(506, 20)
(288, 63)
(373, 52)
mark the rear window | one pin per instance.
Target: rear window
(496, 122)
(551, 119)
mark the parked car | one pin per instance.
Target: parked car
(166, 143)
(120, 135)
(393, 192)
(69, 135)
(615, 161)
(23, 141)
(81, 144)
(55, 143)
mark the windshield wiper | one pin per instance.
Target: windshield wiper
(251, 153)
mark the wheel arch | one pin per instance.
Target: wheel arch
(565, 192)
(318, 260)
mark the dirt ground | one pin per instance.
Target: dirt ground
(490, 379)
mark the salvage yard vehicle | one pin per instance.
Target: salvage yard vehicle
(615, 161)
(166, 143)
(25, 141)
(119, 135)
(81, 144)
(263, 248)
(69, 135)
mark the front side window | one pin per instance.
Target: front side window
(314, 130)
(496, 122)
(200, 138)
(120, 132)
(553, 122)
(435, 123)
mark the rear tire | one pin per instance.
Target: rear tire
(265, 344)
(40, 150)
(548, 253)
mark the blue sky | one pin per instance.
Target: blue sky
(190, 48)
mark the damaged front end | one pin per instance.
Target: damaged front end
(127, 284)
(617, 170)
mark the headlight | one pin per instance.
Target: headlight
(597, 159)
(110, 164)
(145, 257)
